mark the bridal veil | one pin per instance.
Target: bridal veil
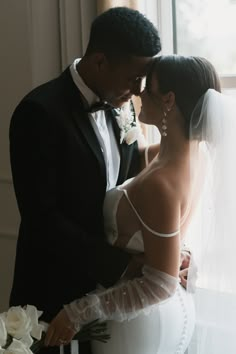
(212, 235)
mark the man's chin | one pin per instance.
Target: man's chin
(120, 102)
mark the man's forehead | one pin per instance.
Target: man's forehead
(139, 66)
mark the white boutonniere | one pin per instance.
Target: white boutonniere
(129, 131)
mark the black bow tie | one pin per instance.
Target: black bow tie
(99, 106)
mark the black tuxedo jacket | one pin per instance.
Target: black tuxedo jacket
(59, 178)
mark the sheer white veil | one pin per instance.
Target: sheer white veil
(212, 235)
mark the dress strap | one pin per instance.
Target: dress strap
(146, 155)
(143, 223)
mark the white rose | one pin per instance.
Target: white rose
(125, 118)
(17, 347)
(122, 136)
(132, 135)
(3, 332)
(34, 315)
(18, 324)
(122, 119)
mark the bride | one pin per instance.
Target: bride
(152, 213)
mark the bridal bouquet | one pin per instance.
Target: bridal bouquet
(22, 333)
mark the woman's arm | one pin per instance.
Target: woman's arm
(124, 301)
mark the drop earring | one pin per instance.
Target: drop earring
(164, 125)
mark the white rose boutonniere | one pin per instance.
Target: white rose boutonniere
(129, 131)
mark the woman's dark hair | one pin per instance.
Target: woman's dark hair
(188, 77)
(121, 31)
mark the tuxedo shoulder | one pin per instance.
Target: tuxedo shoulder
(51, 94)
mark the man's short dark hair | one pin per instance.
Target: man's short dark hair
(122, 31)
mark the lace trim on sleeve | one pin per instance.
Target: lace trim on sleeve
(123, 301)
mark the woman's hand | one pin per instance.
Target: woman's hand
(186, 258)
(60, 330)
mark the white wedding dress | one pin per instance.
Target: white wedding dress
(168, 328)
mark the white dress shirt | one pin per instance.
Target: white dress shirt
(103, 129)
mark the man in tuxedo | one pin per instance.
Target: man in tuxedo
(65, 153)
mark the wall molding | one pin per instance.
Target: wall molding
(43, 32)
(228, 81)
(75, 17)
(8, 235)
(5, 179)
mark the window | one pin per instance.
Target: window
(203, 28)
(207, 28)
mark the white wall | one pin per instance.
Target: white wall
(38, 38)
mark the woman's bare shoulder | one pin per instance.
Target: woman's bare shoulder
(158, 202)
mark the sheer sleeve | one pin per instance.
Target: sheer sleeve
(125, 300)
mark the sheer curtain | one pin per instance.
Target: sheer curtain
(75, 18)
(212, 234)
(103, 5)
(60, 30)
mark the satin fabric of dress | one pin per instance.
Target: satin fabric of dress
(166, 329)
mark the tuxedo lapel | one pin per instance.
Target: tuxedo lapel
(83, 124)
(123, 148)
(81, 119)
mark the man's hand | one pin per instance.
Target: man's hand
(134, 268)
(60, 330)
(185, 258)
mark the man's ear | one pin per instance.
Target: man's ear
(169, 100)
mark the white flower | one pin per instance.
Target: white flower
(129, 132)
(34, 314)
(3, 332)
(132, 135)
(126, 117)
(17, 347)
(17, 322)
(22, 323)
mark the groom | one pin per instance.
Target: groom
(65, 153)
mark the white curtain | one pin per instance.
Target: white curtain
(75, 18)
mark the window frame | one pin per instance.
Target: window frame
(163, 14)
(228, 82)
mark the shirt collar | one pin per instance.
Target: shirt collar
(88, 94)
